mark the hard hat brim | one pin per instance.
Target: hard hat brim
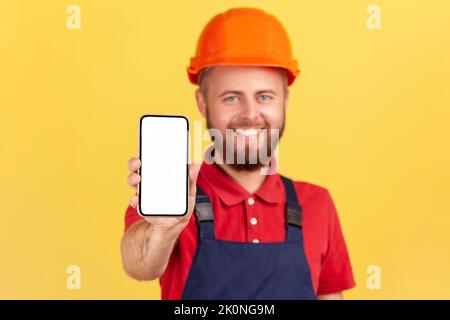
(196, 66)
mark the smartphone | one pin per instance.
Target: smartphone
(164, 171)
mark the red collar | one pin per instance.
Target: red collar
(231, 193)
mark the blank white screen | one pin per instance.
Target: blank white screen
(164, 157)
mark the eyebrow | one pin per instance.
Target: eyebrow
(241, 93)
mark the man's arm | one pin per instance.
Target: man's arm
(147, 244)
(336, 274)
(146, 252)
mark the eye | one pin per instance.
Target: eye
(264, 97)
(230, 99)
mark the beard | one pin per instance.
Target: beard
(244, 153)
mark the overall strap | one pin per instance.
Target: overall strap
(294, 212)
(204, 214)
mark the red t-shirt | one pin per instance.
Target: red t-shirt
(244, 217)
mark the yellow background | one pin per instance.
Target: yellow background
(369, 119)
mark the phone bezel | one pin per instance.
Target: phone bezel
(140, 168)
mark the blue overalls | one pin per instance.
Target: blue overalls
(245, 271)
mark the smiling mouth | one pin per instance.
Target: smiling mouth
(249, 132)
(246, 132)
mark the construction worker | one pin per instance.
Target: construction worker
(247, 235)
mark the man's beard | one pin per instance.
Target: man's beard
(245, 162)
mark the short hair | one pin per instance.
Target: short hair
(204, 74)
(201, 79)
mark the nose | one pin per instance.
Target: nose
(249, 110)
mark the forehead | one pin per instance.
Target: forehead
(246, 77)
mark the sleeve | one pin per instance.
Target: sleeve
(131, 216)
(336, 272)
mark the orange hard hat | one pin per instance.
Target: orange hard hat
(243, 36)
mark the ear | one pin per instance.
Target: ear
(201, 103)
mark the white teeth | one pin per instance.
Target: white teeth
(246, 132)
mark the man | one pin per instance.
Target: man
(253, 235)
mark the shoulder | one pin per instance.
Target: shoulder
(313, 196)
(311, 192)
(317, 201)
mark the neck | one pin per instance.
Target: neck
(249, 180)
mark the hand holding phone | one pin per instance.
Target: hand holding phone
(164, 223)
(166, 184)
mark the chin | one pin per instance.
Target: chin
(249, 167)
(246, 164)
